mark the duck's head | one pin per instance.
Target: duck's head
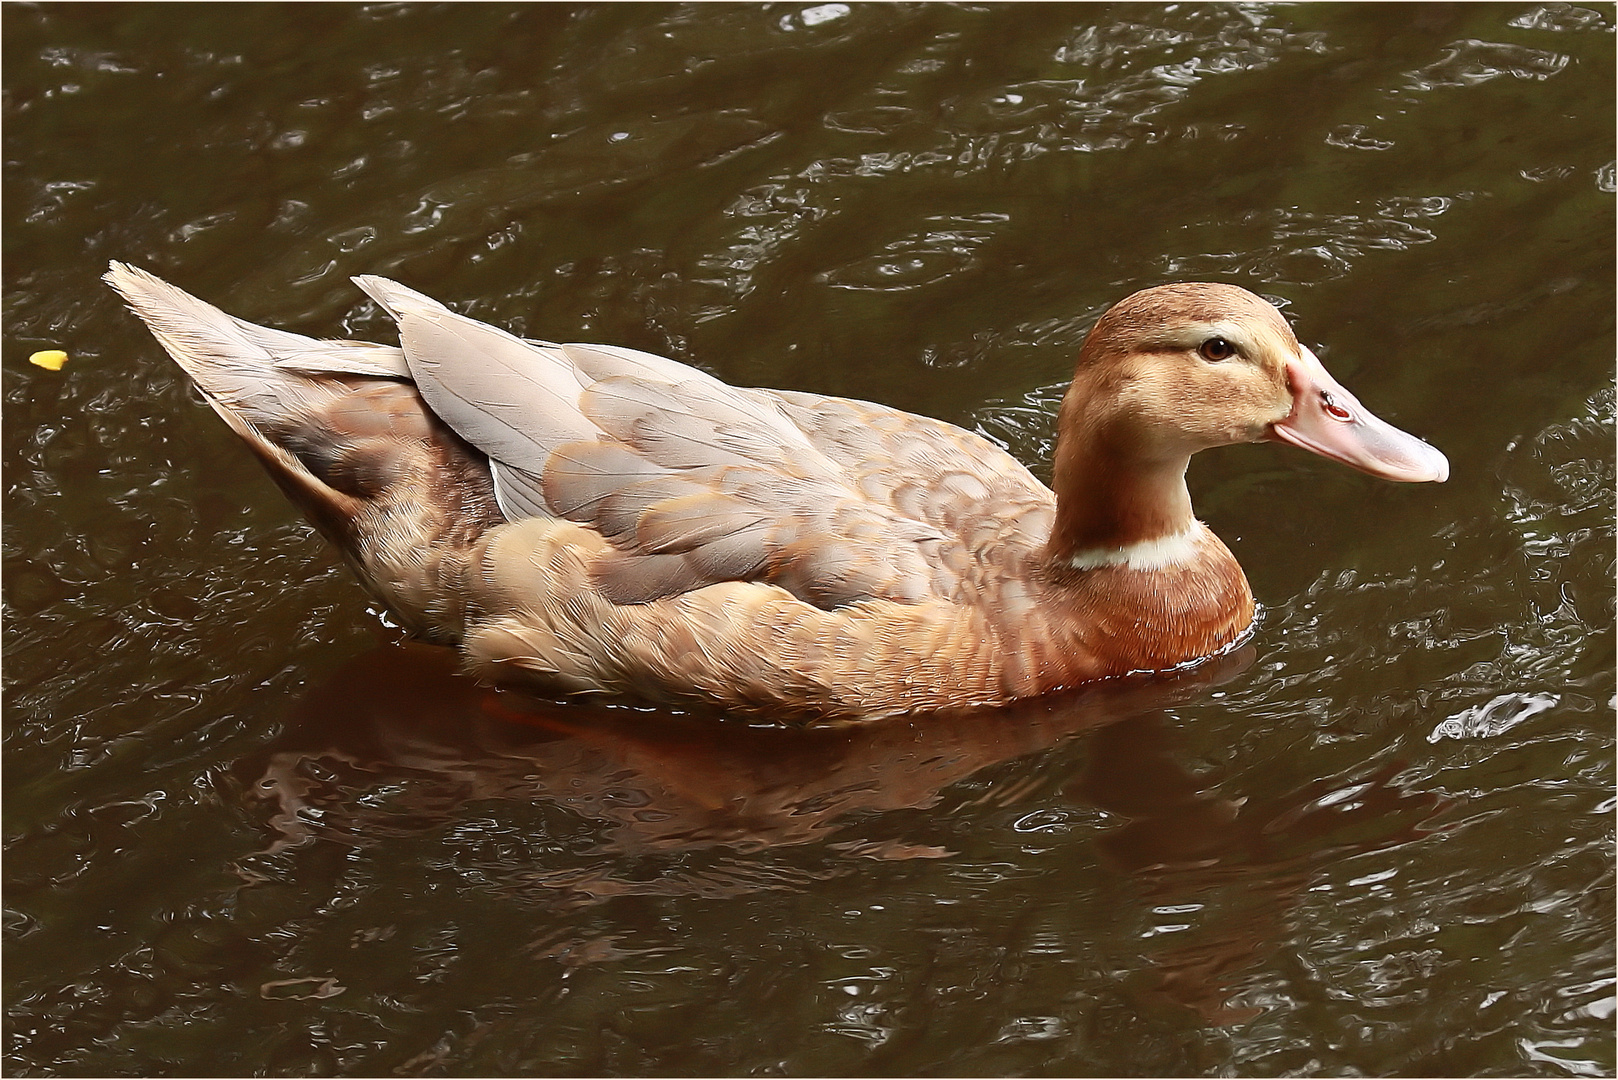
(1179, 368)
(1183, 367)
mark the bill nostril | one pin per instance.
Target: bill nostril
(1333, 409)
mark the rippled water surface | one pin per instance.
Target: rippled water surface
(249, 831)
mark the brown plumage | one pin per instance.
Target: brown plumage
(592, 519)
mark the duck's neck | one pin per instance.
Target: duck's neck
(1114, 510)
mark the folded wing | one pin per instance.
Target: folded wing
(692, 481)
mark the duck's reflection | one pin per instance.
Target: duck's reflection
(398, 741)
(656, 780)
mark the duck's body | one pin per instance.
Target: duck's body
(598, 520)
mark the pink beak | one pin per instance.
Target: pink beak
(1331, 422)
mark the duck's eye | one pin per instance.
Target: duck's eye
(1216, 348)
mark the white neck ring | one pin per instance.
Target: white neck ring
(1158, 553)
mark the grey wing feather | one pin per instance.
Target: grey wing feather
(581, 475)
(514, 401)
(698, 423)
(685, 522)
(610, 361)
(517, 494)
(348, 358)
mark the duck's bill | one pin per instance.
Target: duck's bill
(1329, 421)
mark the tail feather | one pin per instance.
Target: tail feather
(234, 363)
(248, 368)
(343, 431)
(271, 386)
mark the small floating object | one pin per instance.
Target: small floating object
(310, 989)
(49, 359)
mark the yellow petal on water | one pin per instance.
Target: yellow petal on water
(50, 359)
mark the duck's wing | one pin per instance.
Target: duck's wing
(692, 481)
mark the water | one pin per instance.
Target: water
(248, 831)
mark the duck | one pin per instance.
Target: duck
(595, 521)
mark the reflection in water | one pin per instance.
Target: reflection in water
(399, 743)
(401, 720)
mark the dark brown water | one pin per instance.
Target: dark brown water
(249, 833)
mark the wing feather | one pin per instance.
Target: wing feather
(514, 401)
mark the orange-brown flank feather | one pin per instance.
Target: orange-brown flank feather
(600, 521)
